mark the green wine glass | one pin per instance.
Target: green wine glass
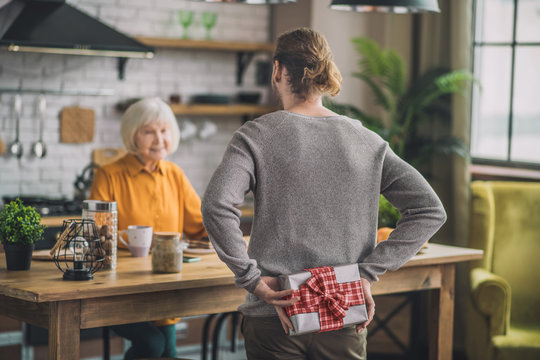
(186, 19)
(209, 20)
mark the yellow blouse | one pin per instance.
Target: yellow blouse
(163, 199)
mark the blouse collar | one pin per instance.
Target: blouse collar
(135, 167)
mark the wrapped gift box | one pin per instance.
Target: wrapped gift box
(331, 297)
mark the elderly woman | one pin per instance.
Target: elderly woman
(150, 191)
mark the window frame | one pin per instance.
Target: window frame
(513, 44)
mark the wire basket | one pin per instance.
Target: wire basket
(78, 252)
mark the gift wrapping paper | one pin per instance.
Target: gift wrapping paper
(331, 297)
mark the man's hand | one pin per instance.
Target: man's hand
(268, 290)
(370, 305)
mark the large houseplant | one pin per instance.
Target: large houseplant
(405, 110)
(20, 228)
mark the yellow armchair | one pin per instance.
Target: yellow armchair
(503, 318)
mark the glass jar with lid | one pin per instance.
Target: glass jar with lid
(166, 252)
(105, 215)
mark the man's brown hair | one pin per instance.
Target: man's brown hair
(306, 55)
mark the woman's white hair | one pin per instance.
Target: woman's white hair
(144, 112)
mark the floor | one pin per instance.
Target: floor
(224, 354)
(194, 353)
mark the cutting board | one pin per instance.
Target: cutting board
(103, 156)
(42, 255)
(77, 125)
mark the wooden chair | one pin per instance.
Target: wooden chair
(220, 320)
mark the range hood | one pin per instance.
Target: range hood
(55, 27)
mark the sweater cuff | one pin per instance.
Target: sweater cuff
(366, 275)
(249, 279)
(252, 284)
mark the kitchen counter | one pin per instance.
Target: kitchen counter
(57, 221)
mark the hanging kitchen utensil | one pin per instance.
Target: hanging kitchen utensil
(16, 147)
(38, 148)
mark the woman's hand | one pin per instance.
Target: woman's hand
(370, 305)
(268, 290)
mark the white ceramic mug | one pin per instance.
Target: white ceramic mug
(140, 239)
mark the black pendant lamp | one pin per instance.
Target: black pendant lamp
(387, 6)
(251, 2)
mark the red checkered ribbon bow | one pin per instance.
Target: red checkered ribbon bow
(324, 294)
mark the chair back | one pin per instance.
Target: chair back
(505, 223)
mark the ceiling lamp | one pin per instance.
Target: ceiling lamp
(252, 2)
(386, 6)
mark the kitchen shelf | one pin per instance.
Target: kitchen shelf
(74, 92)
(206, 44)
(244, 50)
(221, 110)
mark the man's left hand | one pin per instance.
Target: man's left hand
(268, 290)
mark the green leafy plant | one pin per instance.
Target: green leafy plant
(388, 215)
(405, 109)
(20, 224)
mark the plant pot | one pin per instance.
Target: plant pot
(18, 256)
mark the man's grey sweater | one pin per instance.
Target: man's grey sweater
(316, 183)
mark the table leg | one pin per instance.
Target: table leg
(64, 330)
(442, 316)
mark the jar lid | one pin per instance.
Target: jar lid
(98, 205)
(166, 235)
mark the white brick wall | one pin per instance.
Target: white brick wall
(171, 71)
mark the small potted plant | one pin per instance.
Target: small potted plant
(387, 220)
(20, 228)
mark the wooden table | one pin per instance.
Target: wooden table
(133, 293)
(433, 269)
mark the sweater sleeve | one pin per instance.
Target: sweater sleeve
(422, 214)
(233, 178)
